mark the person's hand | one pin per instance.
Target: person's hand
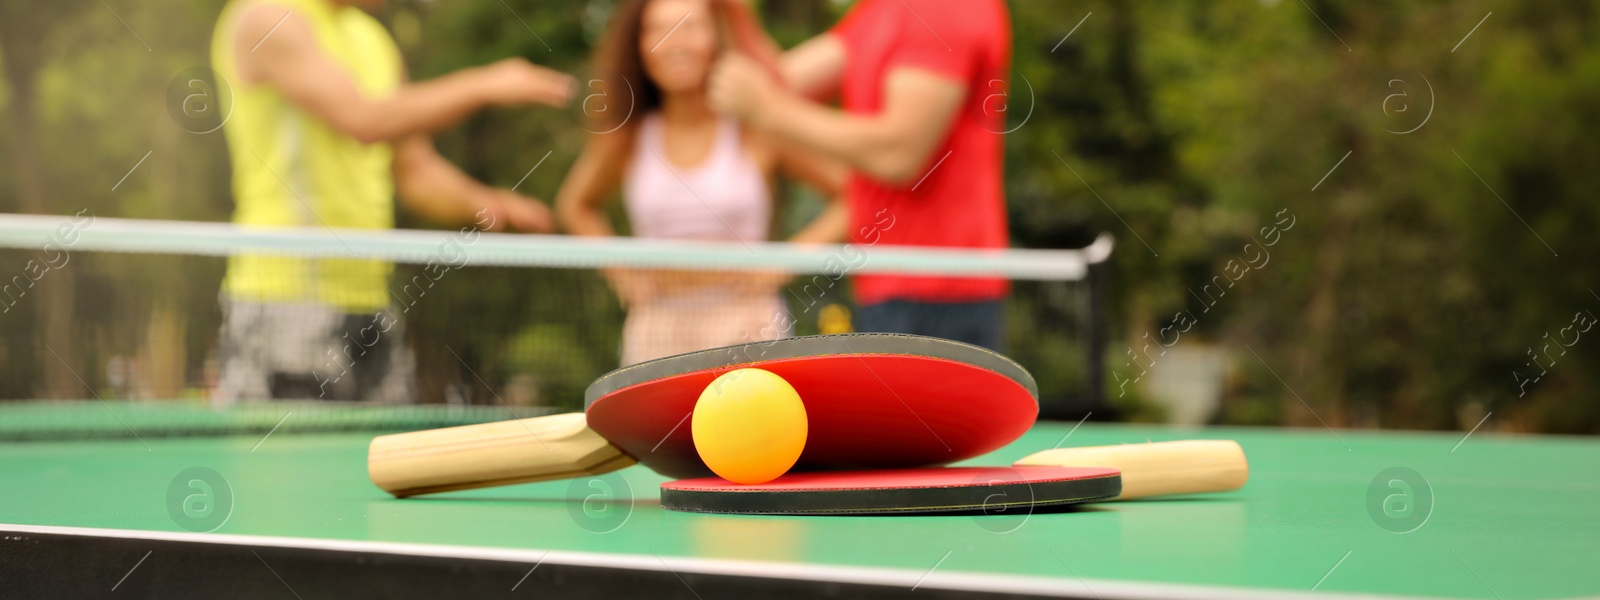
(757, 283)
(505, 210)
(764, 282)
(515, 82)
(631, 285)
(741, 87)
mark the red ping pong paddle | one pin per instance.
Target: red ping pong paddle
(873, 401)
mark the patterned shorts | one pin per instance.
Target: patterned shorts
(697, 321)
(294, 351)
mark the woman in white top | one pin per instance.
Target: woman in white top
(685, 173)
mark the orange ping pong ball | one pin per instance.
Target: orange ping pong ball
(749, 426)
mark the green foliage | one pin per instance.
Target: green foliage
(1409, 290)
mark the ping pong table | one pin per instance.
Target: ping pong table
(1368, 514)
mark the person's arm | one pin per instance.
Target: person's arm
(748, 34)
(813, 69)
(828, 178)
(892, 146)
(279, 49)
(580, 207)
(435, 190)
(591, 180)
(829, 226)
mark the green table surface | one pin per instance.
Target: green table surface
(1512, 516)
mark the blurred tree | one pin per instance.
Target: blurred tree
(24, 28)
(1408, 293)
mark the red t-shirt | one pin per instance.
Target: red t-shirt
(958, 198)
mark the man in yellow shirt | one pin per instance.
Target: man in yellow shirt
(325, 131)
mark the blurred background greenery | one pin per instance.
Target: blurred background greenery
(1442, 185)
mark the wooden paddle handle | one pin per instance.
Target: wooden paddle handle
(490, 454)
(1160, 468)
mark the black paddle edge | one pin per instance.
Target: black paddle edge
(950, 500)
(859, 344)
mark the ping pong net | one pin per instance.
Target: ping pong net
(116, 326)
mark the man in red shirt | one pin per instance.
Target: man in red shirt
(913, 78)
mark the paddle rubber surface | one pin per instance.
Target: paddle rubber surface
(873, 401)
(987, 490)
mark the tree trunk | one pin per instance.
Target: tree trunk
(1320, 369)
(165, 351)
(22, 77)
(54, 301)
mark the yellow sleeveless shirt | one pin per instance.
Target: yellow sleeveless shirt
(292, 169)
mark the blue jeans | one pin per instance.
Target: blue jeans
(976, 323)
